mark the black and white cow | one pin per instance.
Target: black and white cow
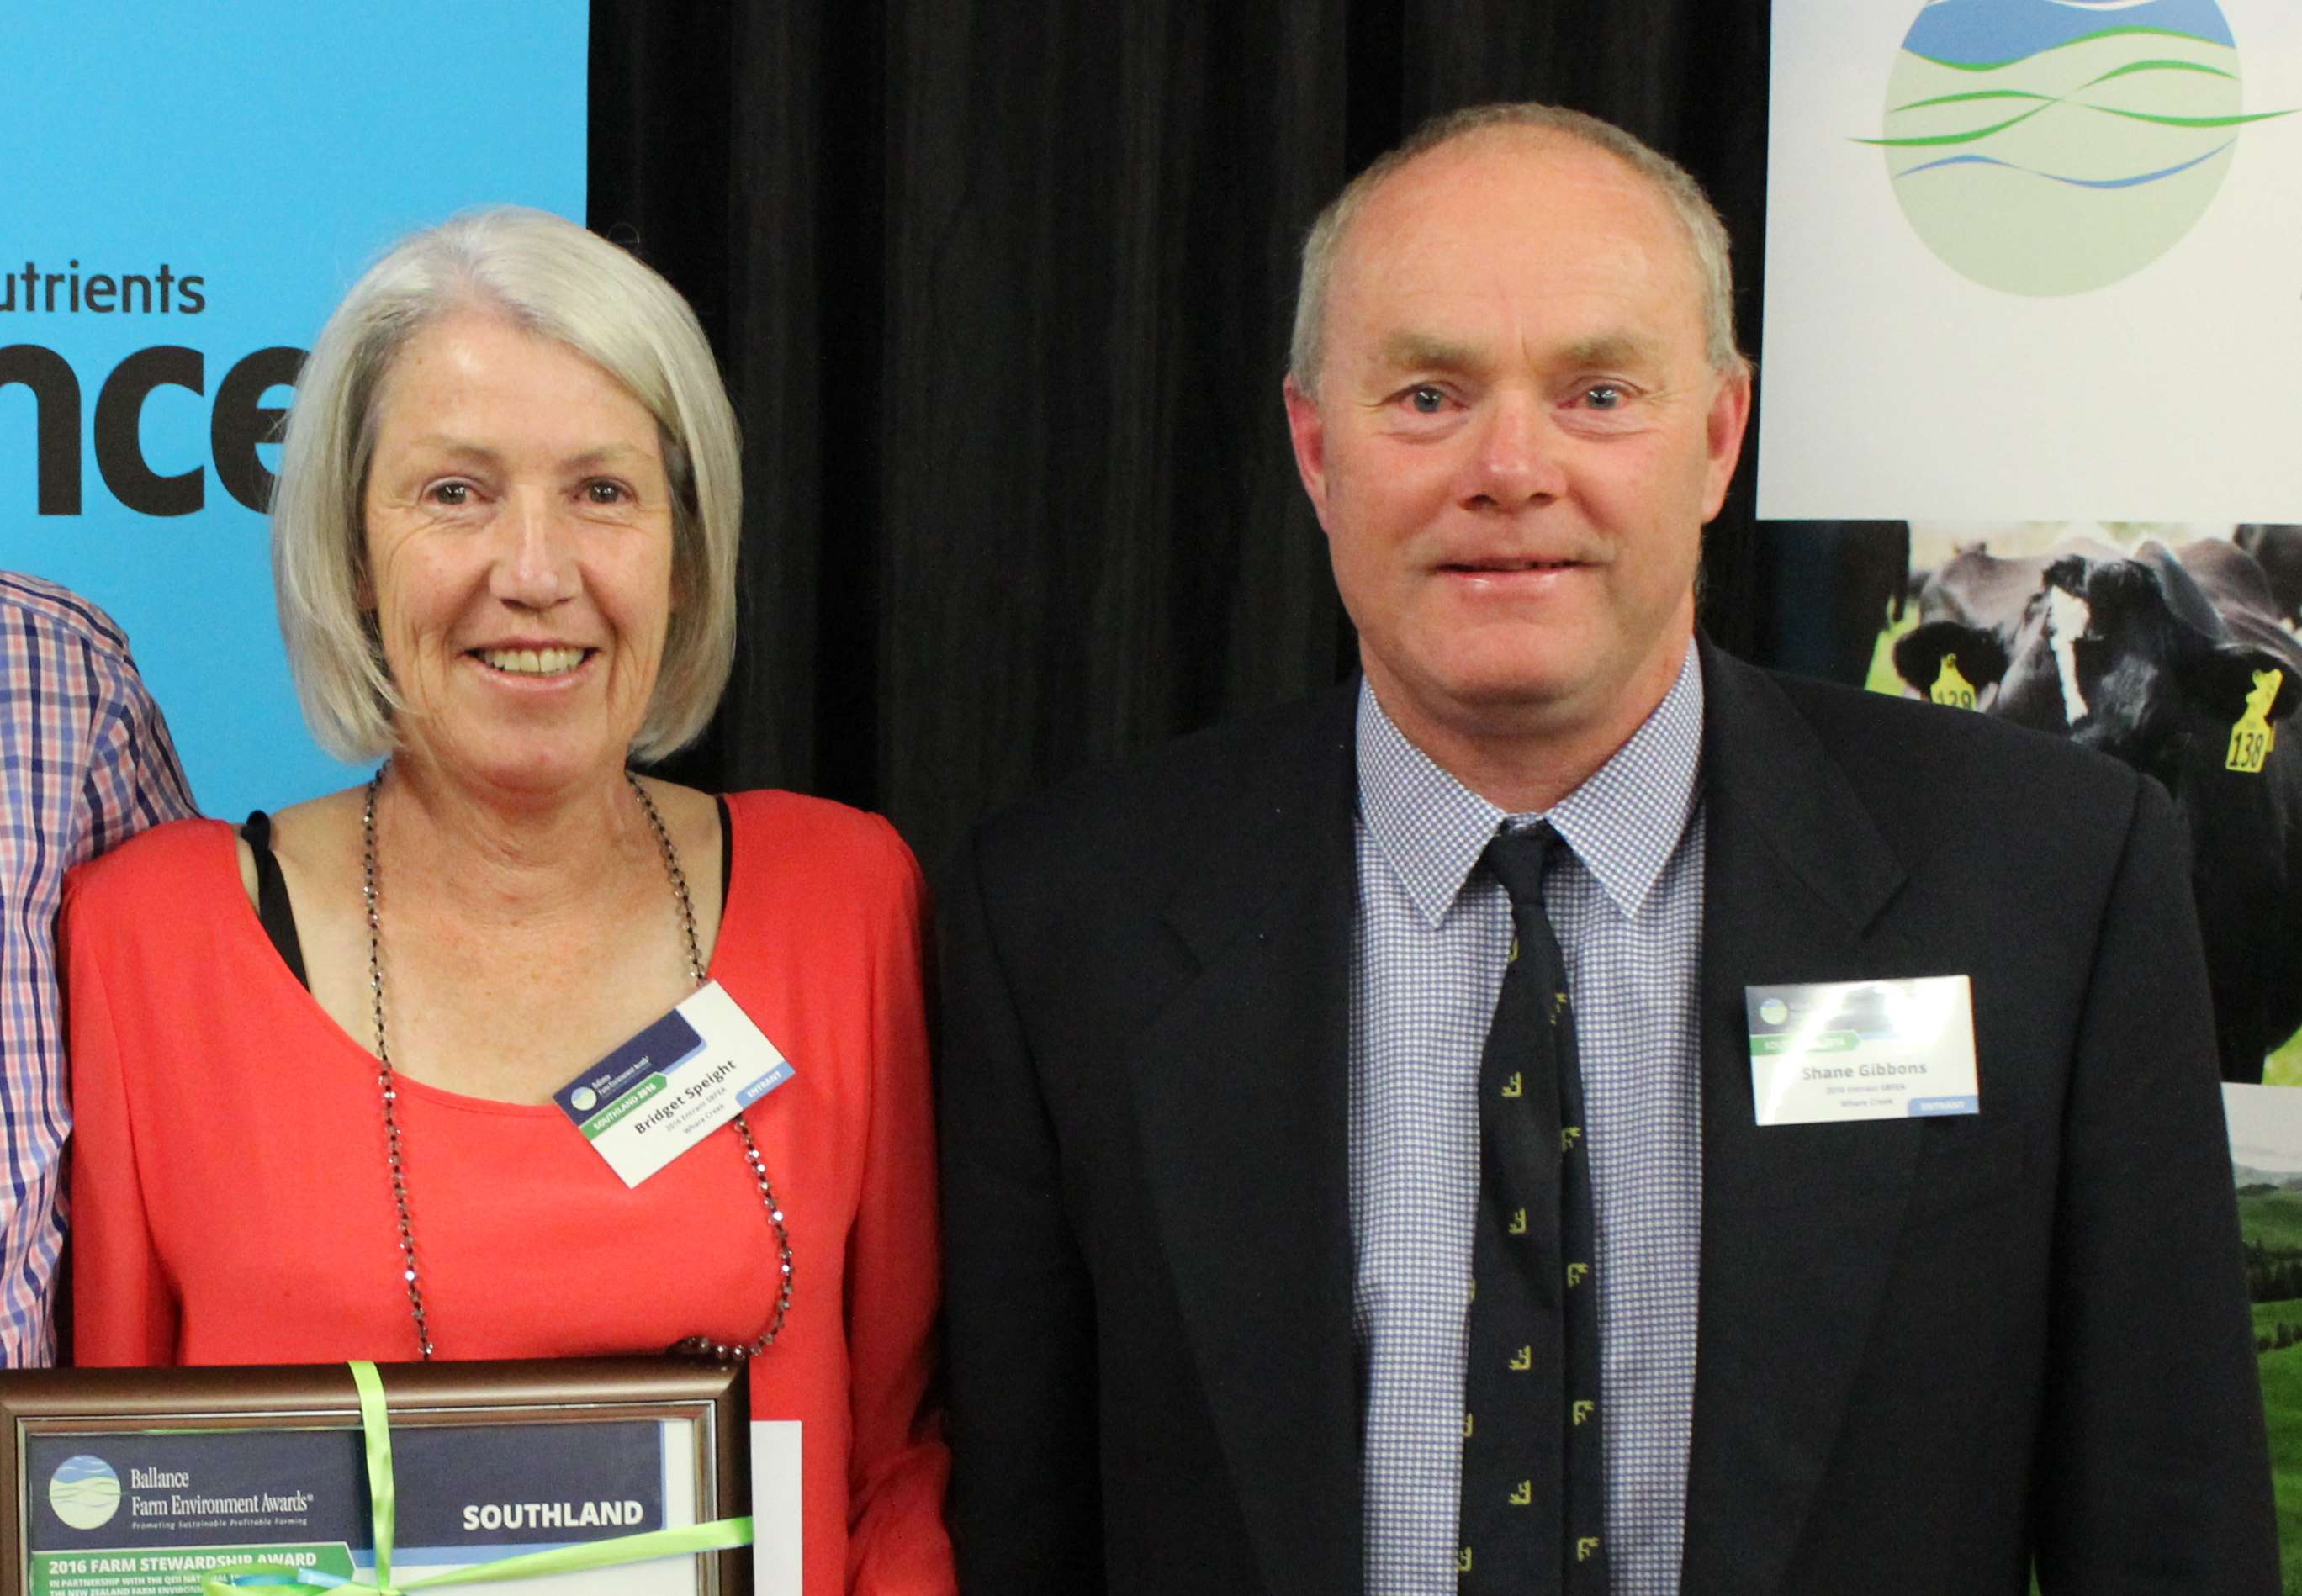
(1973, 609)
(2175, 664)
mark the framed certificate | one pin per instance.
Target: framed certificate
(140, 1482)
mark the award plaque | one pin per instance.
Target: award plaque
(151, 1482)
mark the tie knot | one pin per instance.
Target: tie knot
(1517, 858)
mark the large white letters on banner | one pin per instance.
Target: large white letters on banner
(189, 190)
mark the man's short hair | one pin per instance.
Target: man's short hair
(1706, 233)
(550, 278)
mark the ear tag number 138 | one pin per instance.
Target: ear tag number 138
(2253, 737)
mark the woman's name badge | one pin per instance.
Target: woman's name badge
(1863, 1050)
(673, 1084)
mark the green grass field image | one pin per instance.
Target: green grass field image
(2054, 147)
(2270, 1216)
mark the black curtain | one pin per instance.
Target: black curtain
(1002, 295)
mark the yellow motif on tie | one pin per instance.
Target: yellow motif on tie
(1466, 1426)
(1586, 1548)
(1568, 1137)
(1475, 1288)
(1516, 1087)
(1581, 1411)
(2253, 737)
(1522, 1493)
(1950, 687)
(1514, 952)
(1522, 1359)
(1462, 1561)
(1577, 1273)
(1557, 1006)
(1517, 1226)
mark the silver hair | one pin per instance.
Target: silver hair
(1706, 233)
(554, 279)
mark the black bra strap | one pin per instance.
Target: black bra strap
(278, 915)
(273, 908)
(726, 851)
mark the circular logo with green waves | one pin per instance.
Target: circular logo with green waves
(2054, 147)
(84, 1491)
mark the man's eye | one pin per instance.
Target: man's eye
(1603, 396)
(452, 494)
(604, 492)
(1426, 399)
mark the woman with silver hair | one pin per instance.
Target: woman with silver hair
(338, 1074)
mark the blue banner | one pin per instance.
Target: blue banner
(186, 189)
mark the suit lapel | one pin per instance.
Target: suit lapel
(1799, 1221)
(1241, 1093)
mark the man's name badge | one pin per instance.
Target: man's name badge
(1863, 1050)
(673, 1084)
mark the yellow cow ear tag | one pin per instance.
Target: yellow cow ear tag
(1951, 688)
(2253, 737)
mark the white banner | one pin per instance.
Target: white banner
(2034, 260)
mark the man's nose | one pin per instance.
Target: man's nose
(1515, 457)
(536, 556)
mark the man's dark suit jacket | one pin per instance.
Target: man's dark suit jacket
(1926, 1348)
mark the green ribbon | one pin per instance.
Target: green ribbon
(722, 1534)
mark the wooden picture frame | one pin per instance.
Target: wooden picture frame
(197, 1453)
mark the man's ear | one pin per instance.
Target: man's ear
(1730, 413)
(1308, 433)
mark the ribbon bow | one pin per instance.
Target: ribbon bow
(720, 1534)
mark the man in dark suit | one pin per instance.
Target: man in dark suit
(1223, 1132)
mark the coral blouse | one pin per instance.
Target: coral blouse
(231, 1204)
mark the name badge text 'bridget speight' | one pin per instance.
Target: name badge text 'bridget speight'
(674, 1084)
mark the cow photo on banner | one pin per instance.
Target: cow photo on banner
(2175, 649)
(2172, 649)
(2025, 260)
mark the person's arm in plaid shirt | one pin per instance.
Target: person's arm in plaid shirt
(85, 763)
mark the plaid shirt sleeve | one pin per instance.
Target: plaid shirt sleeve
(85, 763)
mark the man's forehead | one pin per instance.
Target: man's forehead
(1412, 347)
(1506, 173)
(1519, 216)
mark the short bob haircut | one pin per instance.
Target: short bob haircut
(1706, 235)
(551, 278)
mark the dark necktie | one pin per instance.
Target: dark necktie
(1534, 1492)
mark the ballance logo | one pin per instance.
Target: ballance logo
(2055, 146)
(84, 1491)
(238, 420)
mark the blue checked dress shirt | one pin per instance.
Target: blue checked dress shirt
(85, 762)
(1428, 950)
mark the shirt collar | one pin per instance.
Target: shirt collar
(1624, 823)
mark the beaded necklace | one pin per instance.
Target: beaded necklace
(386, 1082)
